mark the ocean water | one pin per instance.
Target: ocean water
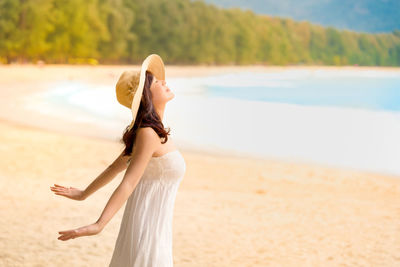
(340, 118)
(81, 102)
(355, 92)
(367, 90)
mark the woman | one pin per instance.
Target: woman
(154, 170)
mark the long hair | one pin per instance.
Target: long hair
(146, 117)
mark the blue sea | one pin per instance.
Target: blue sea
(345, 118)
(374, 91)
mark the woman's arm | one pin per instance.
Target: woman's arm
(146, 143)
(107, 175)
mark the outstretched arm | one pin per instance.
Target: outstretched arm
(104, 178)
(107, 175)
(146, 143)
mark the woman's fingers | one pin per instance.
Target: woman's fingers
(60, 192)
(65, 235)
(58, 189)
(87, 230)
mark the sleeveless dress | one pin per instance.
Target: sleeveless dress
(145, 235)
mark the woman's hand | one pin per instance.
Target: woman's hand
(71, 192)
(91, 229)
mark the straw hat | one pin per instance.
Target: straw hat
(130, 85)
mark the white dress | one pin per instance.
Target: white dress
(145, 235)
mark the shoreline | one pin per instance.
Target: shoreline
(12, 112)
(219, 154)
(102, 73)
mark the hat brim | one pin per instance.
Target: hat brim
(155, 65)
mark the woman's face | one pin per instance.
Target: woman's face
(160, 92)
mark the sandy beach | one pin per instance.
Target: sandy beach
(229, 211)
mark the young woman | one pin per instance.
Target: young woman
(154, 170)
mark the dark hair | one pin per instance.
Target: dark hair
(146, 117)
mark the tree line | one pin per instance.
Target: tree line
(181, 32)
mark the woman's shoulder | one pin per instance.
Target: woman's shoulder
(146, 132)
(146, 139)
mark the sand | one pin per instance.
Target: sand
(229, 211)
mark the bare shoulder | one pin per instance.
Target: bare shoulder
(147, 133)
(147, 141)
(147, 138)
